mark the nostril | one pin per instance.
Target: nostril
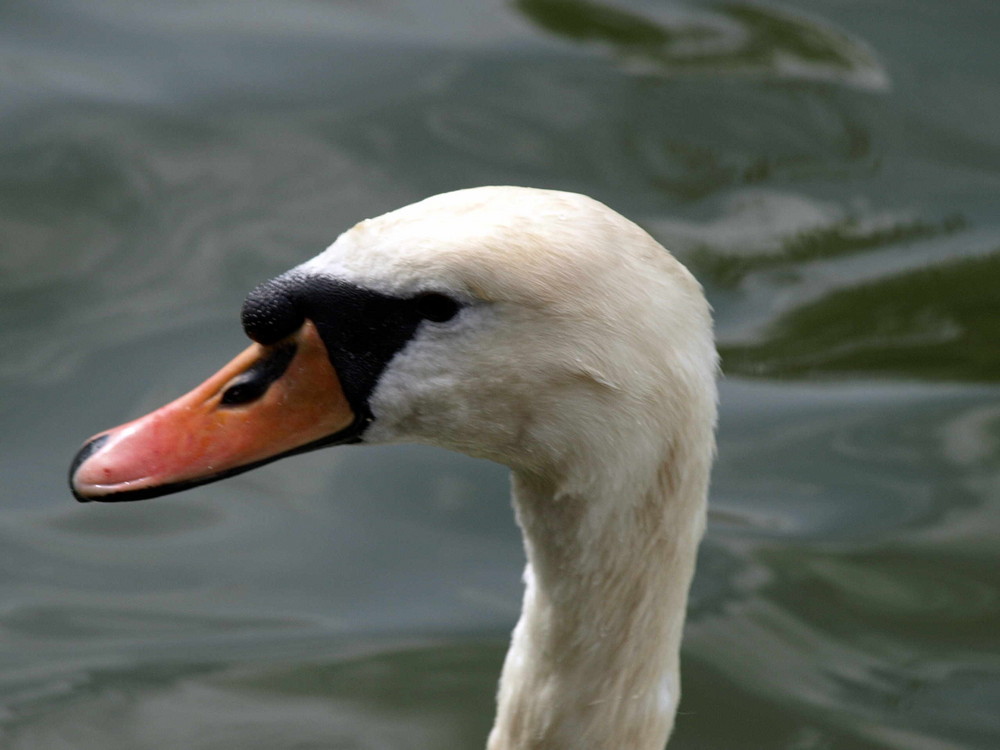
(248, 388)
(253, 383)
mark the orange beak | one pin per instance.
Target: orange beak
(268, 402)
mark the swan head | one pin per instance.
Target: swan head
(535, 328)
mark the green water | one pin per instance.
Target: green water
(829, 169)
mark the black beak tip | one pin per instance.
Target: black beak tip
(89, 448)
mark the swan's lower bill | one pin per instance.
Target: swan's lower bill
(250, 412)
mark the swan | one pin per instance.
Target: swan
(536, 328)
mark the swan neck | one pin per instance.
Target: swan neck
(594, 657)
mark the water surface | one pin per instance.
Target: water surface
(829, 170)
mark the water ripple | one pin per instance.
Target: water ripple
(736, 38)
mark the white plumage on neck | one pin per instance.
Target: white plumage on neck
(594, 658)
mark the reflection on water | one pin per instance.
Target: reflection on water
(935, 322)
(729, 38)
(160, 160)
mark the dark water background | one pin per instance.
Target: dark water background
(829, 168)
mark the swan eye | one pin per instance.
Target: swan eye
(436, 307)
